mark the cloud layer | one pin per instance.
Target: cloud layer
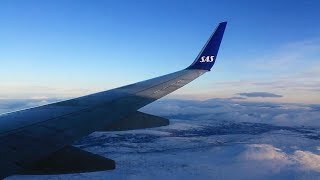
(260, 94)
(239, 111)
(208, 140)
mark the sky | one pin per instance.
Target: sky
(62, 49)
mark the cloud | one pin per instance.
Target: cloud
(9, 105)
(237, 98)
(27, 91)
(265, 152)
(260, 94)
(219, 109)
(276, 159)
(287, 70)
(308, 160)
(267, 157)
(290, 56)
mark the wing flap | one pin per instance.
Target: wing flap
(69, 160)
(137, 120)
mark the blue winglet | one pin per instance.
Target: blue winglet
(206, 58)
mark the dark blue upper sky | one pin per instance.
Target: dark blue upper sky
(69, 47)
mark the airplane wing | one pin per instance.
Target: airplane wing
(37, 140)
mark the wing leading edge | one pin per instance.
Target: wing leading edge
(32, 135)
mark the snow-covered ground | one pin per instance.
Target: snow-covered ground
(214, 139)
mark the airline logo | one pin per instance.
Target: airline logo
(207, 59)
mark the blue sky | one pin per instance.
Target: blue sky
(70, 48)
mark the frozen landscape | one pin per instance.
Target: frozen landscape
(212, 139)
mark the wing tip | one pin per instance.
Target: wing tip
(206, 58)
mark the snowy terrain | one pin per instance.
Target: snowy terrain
(213, 139)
